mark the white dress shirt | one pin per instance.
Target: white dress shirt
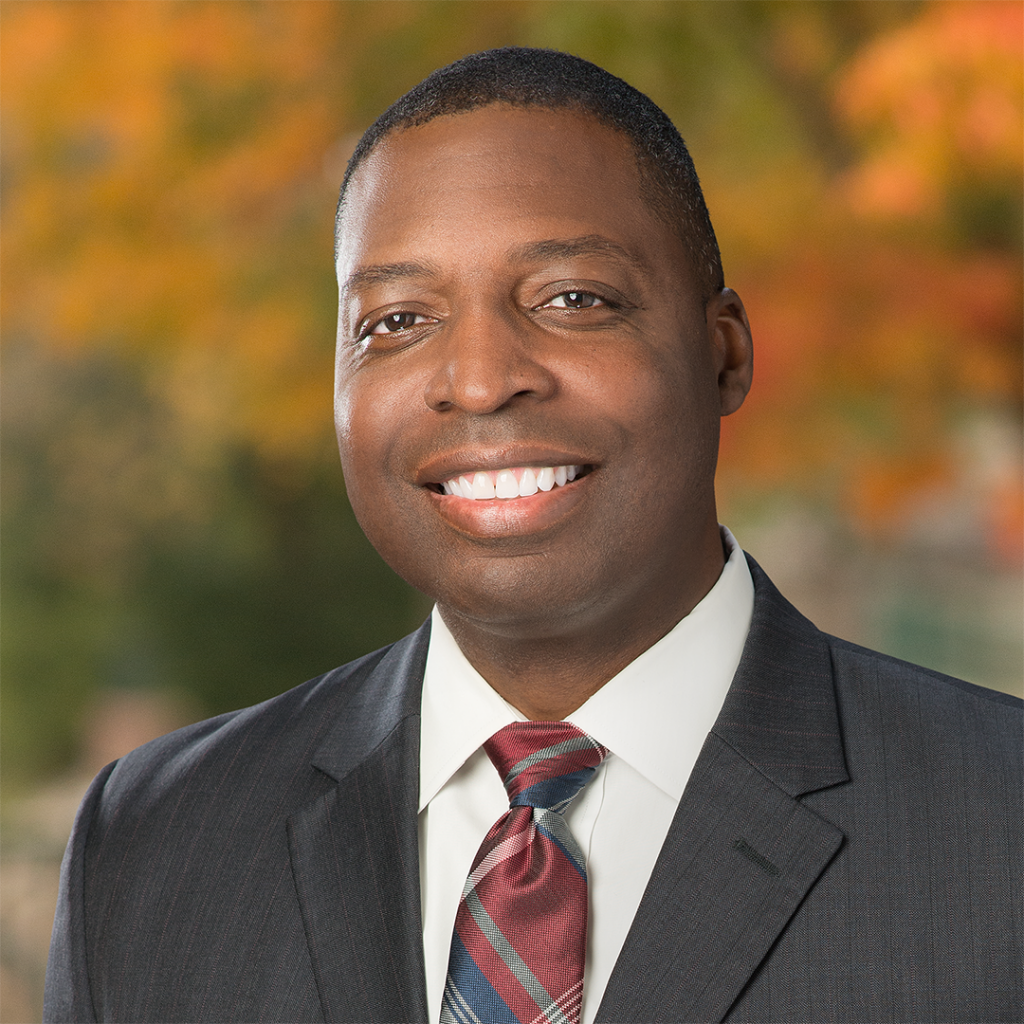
(653, 717)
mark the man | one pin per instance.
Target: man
(535, 345)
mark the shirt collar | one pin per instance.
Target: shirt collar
(655, 714)
(459, 711)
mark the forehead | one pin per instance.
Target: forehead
(497, 174)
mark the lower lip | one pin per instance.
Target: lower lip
(511, 517)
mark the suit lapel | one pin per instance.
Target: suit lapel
(739, 858)
(742, 851)
(355, 854)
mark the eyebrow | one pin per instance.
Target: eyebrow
(382, 273)
(573, 248)
(532, 252)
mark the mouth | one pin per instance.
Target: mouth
(506, 484)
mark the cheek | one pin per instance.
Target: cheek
(371, 409)
(678, 423)
(378, 428)
(361, 422)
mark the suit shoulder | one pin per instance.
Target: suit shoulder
(847, 655)
(940, 704)
(780, 632)
(275, 738)
(181, 858)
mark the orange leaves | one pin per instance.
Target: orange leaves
(166, 195)
(881, 489)
(171, 172)
(939, 99)
(871, 358)
(888, 327)
(1005, 531)
(35, 40)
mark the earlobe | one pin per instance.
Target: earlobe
(730, 334)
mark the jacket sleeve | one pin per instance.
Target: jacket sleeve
(68, 997)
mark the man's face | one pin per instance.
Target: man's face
(511, 308)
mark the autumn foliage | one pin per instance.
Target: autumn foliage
(170, 171)
(890, 318)
(161, 158)
(171, 166)
(939, 103)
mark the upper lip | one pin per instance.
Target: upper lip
(463, 461)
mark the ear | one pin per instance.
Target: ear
(729, 331)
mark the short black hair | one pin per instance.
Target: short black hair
(552, 80)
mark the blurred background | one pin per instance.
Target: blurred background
(177, 541)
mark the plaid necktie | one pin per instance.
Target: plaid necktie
(521, 930)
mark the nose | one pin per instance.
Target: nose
(484, 362)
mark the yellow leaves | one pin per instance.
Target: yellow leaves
(171, 172)
(35, 38)
(166, 195)
(801, 44)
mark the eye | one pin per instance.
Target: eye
(396, 322)
(575, 300)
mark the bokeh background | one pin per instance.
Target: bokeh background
(176, 537)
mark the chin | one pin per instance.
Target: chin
(518, 604)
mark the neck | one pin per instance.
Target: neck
(547, 674)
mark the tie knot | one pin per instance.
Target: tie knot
(544, 764)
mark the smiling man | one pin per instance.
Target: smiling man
(515, 313)
(616, 776)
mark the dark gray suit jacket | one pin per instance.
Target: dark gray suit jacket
(847, 849)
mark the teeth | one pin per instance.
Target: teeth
(528, 484)
(506, 486)
(483, 486)
(510, 483)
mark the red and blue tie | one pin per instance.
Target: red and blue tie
(521, 930)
